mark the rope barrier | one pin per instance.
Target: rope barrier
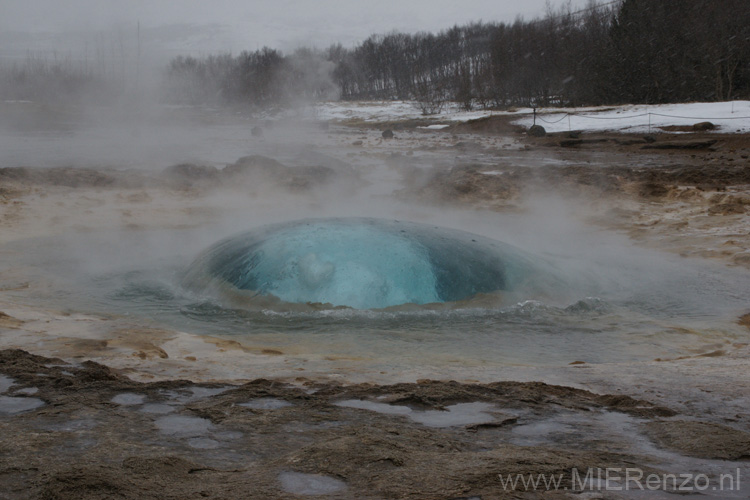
(640, 115)
(556, 121)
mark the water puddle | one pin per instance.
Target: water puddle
(5, 383)
(459, 414)
(157, 408)
(183, 426)
(13, 406)
(128, 399)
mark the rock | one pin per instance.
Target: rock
(254, 164)
(387, 134)
(703, 126)
(742, 259)
(257, 131)
(357, 143)
(652, 190)
(700, 439)
(649, 138)
(630, 142)
(537, 131)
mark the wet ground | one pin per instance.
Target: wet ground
(81, 430)
(134, 408)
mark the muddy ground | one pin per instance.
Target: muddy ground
(98, 434)
(133, 414)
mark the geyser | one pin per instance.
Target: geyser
(359, 262)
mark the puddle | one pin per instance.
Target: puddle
(454, 415)
(621, 433)
(12, 406)
(183, 426)
(157, 408)
(228, 435)
(298, 483)
(203, 443)
(266, 404)
(128, 399)
(5, 383)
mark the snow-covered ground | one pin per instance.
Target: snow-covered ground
(729, 117)
(381, 111)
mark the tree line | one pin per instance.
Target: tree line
(622, 51)
(629, 51)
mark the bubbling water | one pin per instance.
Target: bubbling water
(363, 263)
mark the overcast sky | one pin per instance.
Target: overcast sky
(251, 24)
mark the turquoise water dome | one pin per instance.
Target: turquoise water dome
(361, 263)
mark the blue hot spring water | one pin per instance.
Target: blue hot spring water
(361, 263)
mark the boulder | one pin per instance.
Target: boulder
(703, 126)
(387, 134)
(537, 131)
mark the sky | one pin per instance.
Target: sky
(234, 25)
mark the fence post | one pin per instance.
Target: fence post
(534, 116)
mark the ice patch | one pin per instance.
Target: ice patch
(454, 415)
(266, 404)
(128, 399)
(298, 483)
(183, 426)
(12, 406)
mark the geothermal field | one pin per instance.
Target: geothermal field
(353, 300)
